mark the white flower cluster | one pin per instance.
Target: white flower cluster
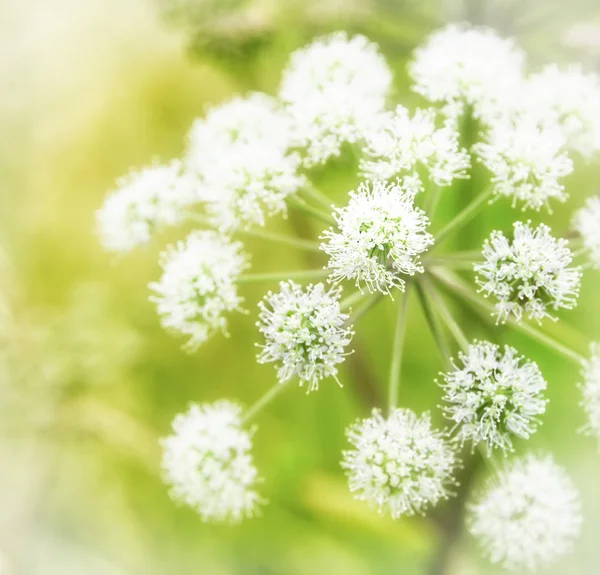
(144, 201)
(493, 395)
(529, 515)
(398, 144)
(590, 388)
(305, 332)
(527, 162)
(529, 275)
(587, 223)
(197, 286)
(208, 464)
(334, 88)
(380, 234)
(400, 464)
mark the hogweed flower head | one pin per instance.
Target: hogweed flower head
(587, 223)
(144, 201)
(400, 464)
(197, 287)
(529, 274)
(398, 144)
(207, 462)
(590, 388)
(529, 515)
(380, 234)
(493, 395)
(333, 88)
(305, 333)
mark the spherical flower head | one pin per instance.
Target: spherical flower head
(207, 463)
(197, 287)
(492, 395)
(305, 333)
(333, 88)
(529, 274)
(529, 515)
(587, 222)
(144, 201)
(590, 389)
(399, 465)
(464, 66)
(527, 162)
(241, 121)
(398, 144)
(380, 234)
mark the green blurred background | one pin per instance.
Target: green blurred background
(88, 379)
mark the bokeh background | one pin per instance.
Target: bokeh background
(89, 381)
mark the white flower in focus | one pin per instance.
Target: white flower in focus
(587, 223)
(529, 515)
(144, 201)
(492, 395)
(380, 234)
(197, 287)
(459, 66)
(208, 464)
(333, 89)
(590, 389)
(527, 162)
(399, 144)
(529, 275)
(305, 333)
(400, 464)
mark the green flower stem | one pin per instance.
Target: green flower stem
(300, 204)
(449, 320)
(282, 276)
(282, 239)
(401, 317)
(349, 301)
(460, 288)
(364, 307)
(269, 396)
(465, 216)
(433, 322)
(431, 200)
(312, 192)
(198, 218)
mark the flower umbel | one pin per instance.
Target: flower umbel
(587, 223)
(590, 388)
(305, 332)
(529, 515)
(493, 395)
(529, 275)
(400, 464)
(208, 464)
(380, 234)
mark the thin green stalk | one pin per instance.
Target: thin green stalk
(364, 307)
(198, 218)
(349, 301)
(431, 200)
(271, 394)
(282, 276)
(300, 204)
(465, 216)
(283, 239)
(449, 320)
(310, 190)
(395, 368)
(434, 324)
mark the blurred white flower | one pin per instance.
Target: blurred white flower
(527, 161)
(144, 201)
(529, 515)
(590, 388)
(492, 395)
(197, 286)
(334, 88)
(398, 144)
(459, 65)
(529, 275)
(380, 234)
(400, 464)
(587, 222)
(305, 333)
(207, 462)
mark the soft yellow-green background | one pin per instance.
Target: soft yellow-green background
(89, 381)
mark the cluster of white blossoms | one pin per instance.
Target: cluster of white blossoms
(197, 287)
(587, 223)
(399, 464)
(590, 389)
(333, 89)
(529, 274)
(305, 333)
(144, 201)
(529, 515)
(493, 395)
(379, 237)
(208, 463)
(398, 144)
